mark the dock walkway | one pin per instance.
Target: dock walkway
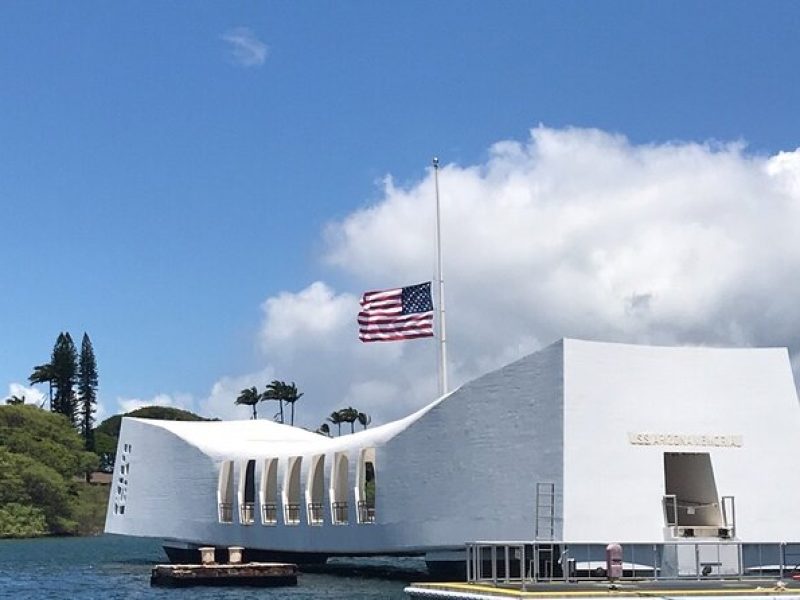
(730, 590)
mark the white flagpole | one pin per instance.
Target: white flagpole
(440, 283)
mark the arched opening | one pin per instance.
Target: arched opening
(291, 491)
(315, 490)
(365, 489)
(225, 492)
(339, 489)
(269, 492)
(247, 493)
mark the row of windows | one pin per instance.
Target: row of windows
(293, 503)
(121, 491)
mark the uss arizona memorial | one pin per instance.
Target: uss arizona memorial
(580, 442)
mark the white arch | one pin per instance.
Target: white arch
(291, 495)
(365, 503)
(247, 492)
(315, 490)
(339, 489)
(268, 493)
(225, 492)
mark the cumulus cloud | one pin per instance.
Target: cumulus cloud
(245, 48)
(580, 233)
(183, 401)
(315, 313)
(30, 394)
(569, 233)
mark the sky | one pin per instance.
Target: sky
(207, 188)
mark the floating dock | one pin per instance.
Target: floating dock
(730, 590)
(242, 574)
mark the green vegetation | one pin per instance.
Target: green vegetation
(43, 457)
(345, 415)
(280, 391)
(65, 373)
(250, 397)
(42, 461)
(64, 366)
(40, 457)
(87, 390)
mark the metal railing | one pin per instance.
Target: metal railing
(247, 513)
(528, 562)
(291, 513)
(225, 512)
(315, 513)
(366, 513)
(339, 513)
(269, 513)
(685, 520)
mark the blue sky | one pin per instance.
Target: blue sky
(159, 190)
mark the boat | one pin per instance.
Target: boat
(581, 442)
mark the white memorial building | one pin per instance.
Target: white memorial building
(582, 442)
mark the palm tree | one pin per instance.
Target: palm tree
(43, 374)
(336, 419)
(250, 397)
(349, 415)
(274, 391)
(324, 429)
(289, 394)
(364, 419)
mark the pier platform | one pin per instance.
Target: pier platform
(241, 574)
(730, 590)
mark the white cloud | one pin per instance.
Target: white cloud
(246, 49)
(30, 394)
(315, 313)
(579, 232)
(572, 233)
(220, 402)
(183, 401)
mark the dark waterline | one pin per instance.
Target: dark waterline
(110, 567)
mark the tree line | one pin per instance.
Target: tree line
(283, 392)
(279, 391)
(72, 384)
(345, 415)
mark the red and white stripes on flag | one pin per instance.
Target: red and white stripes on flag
(397, 314)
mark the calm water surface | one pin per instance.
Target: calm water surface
(109, 567)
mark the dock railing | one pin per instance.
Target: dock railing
(526, 562)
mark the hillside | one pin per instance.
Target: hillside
(43, 464)
(41, 456)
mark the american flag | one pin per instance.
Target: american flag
(398, 314)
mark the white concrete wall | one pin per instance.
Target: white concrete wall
(169, 484)
(613, 488)
(468, 469)
(463, 470)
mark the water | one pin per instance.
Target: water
(111, 567)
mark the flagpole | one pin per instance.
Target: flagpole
(440, 284)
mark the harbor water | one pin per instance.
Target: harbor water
(114, 567)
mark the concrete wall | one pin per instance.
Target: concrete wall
(613, 487)
(589, 417)
(468, 469)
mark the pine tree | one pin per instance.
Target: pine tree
(64, 364)
(87, 391)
